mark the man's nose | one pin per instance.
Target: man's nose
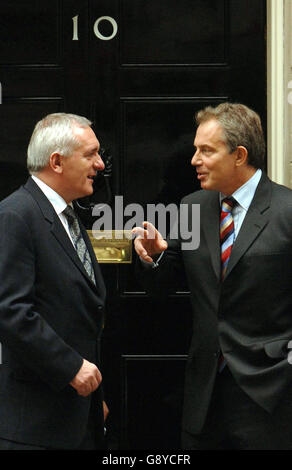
(98, 163)
(196, 158)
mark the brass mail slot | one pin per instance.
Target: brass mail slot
(112, 246)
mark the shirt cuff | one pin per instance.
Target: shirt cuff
(153, 264)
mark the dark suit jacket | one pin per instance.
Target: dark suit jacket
(51, 317)
(249, 315)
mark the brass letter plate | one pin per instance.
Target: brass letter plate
(112, 246)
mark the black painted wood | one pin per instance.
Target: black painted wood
(141, 89)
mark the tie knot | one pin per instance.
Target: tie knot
(228, 203)
(69, 213)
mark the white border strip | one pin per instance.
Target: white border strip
(275, 90)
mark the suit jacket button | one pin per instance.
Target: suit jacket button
(100, 307)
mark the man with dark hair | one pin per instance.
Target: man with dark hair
(238, 376)
(51, 297)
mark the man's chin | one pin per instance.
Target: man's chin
(89, 189)
(204, 185)
(203, 181)
(84, 193)
(208, 185)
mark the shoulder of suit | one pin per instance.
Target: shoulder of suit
(281, 201)
(20, 201)
(281, 190)
(198, 197)
(17, 196)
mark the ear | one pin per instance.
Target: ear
(56, 162)
(241, 156)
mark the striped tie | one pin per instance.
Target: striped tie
(226, 232)
(79, 242)
(226, 242)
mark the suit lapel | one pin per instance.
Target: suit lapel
(60, 234)
(210, 224)
(254, 222)
(96, 268)
(57, 228)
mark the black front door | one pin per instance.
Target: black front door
(140, 70)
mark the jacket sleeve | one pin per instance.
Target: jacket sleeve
(28, 337)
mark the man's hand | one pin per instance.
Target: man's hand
(148, 241)
(87, 379)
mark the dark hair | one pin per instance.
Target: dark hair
(241, 126)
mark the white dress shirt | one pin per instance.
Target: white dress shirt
(243, 196)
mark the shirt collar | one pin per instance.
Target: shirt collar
(55, 199)
(244, 195)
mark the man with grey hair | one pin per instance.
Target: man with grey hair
(238, 377)
(52, 297)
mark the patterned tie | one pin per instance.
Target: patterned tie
(226, 232)
(226, 242)
(79, 242)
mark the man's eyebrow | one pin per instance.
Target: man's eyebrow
(203, 145)
(92, 150)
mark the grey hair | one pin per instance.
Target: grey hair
(241, 126)
(54, 133)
